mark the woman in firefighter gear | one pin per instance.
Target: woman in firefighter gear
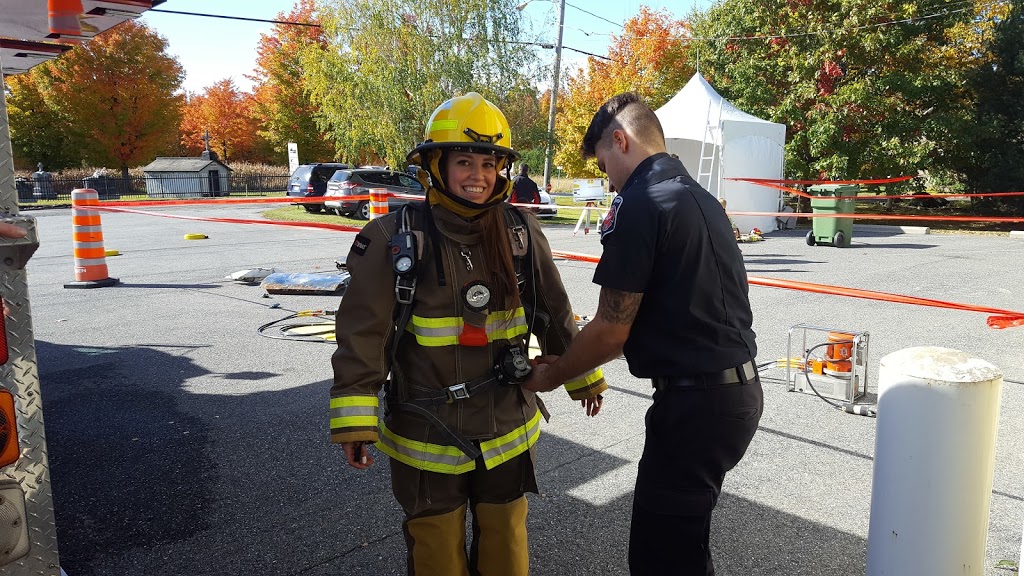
(439, 310)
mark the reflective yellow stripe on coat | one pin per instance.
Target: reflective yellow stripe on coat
(423, 455)
(354, 411)
(451, 460)
(445, 331)
(584, 381)
(506, 447)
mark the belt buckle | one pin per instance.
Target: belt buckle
(457, 392)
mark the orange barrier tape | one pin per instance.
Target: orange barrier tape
(784, 181)
(323, 225)
(200, 202)
(856, 216)
(999, 319)
(770, 184)
(258, 200)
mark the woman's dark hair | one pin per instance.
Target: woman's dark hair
(497, 249)
(495, 241)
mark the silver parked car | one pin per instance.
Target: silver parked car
(359, 181)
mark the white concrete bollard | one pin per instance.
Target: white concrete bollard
(938, 410)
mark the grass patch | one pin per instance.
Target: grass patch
(298, 214)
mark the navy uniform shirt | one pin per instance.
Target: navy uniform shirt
(668, 238)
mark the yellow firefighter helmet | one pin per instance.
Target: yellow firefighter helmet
(470, 123)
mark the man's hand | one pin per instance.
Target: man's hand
(540, 378)
(592, 405)
(357, 455)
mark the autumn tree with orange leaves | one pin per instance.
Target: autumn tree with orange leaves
(116, 95)
(281, 99)
(650, 58)
(227, 113)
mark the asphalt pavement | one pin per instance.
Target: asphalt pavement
(182, 442)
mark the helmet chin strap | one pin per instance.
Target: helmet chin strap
(437, 189)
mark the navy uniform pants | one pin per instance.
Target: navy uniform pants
(694, 436)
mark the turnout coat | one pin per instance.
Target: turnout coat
(504, 419)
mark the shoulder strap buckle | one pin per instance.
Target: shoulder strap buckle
(405, 289)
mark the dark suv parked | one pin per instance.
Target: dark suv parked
(358, 181)
(310, 180)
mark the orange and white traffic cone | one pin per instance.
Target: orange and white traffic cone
(63, 17)
(378, 202)
(87, 237)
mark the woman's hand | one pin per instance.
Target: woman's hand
(592, 405)
(357, 455)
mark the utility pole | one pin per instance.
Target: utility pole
(548, 152)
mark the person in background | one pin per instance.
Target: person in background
(445, 333)
(524, 189)
(674, 301)
(725, 207)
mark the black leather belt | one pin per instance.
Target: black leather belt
(741, 374)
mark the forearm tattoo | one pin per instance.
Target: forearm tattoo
(618, 307)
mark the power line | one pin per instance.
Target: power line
(564, 47)
(546, 45)
(595, 15)
(815, 33)
(311, 25)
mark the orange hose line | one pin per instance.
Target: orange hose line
(998, 319)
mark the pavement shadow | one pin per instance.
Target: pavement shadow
(569, 536)
(117, 444)
(194, 286)
(149, 477)
(894, 246)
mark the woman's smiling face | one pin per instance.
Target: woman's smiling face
(471, 176)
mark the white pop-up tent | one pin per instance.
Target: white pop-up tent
(699, 122)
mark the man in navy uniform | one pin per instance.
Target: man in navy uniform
(674, 301)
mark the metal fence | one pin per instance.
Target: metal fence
(199, 186)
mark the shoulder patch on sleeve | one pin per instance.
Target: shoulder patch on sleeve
(608, 224)
(360, 244)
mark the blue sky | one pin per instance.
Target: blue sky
(211, 49)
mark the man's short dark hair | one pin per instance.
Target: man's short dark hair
(625, 111)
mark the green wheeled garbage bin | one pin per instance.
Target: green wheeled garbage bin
(826, 200)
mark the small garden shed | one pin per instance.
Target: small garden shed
(186, 177)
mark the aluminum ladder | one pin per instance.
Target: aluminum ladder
(708, 149)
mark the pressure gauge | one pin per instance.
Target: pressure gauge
(476, 295)
(403, 264)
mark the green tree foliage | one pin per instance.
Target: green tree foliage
(117, 96)
(38, 134)
(281, 101)
(865, 88)
(391, 62)
(995, 158)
